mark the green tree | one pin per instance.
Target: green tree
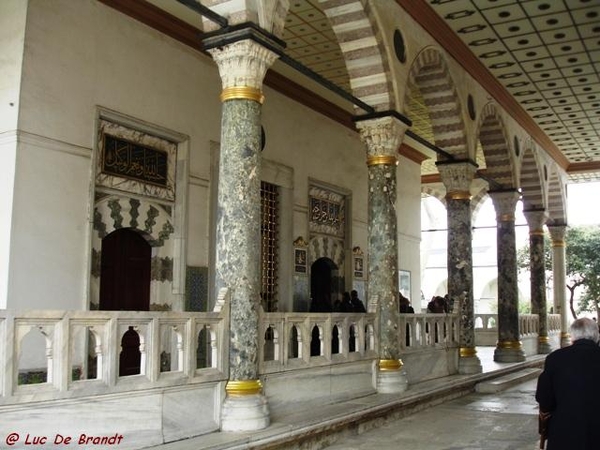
(583, 266)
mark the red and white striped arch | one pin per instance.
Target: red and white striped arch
(429, 73)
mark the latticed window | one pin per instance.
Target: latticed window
(269, 201)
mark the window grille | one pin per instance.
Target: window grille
(269, 201)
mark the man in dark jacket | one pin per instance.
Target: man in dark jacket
(569, 389)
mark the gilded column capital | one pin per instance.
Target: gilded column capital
(382, 137)
(536, 218)
(457, 177)
(243, 65)
(557, 233)
(505, 203)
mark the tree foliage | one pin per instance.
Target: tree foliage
(582, 266)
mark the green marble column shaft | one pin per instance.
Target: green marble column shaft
(457, 177)
(509, 347)
(238, 230)
(536, 219)
(383, 254)
(382, 137)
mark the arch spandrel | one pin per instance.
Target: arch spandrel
(533, 185)
(359, 36)
(429, 74)
(500, 167)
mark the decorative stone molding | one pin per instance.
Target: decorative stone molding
(300, 242)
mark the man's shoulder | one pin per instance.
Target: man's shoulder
(591, 350)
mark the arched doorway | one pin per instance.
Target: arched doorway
(125, 271)
(323, 286)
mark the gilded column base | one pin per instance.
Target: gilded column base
(544, 346)
(391, 377)
(565, 339)
(245, 407)
(509, 351)
(469, 363)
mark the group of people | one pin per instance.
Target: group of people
(349, 303)
(439, 304)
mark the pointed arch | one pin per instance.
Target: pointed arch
(496, 149)
(557, 196)
(439, 193)
(360, 39)
(531, 181)
(477, 202)
(429, 73)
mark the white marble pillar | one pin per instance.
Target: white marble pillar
(382, 137)
(242, 66)
(559, 272)
(509, 347)
(457, 177)
(536, 220)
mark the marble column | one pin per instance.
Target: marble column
(457, 177)
(509, 347)
(559, 273)
(536, 220)
(242, 66)
(382, 137)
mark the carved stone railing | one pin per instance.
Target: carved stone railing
(48, 355)
(290, 341)
(428, 331)
(298, 340)
(486, 327)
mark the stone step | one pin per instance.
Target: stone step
(507, 381)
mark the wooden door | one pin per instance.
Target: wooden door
(125, 272)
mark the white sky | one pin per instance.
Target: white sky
(583, 205)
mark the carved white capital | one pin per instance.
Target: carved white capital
(382, 136)
(243, 63)
(536, 218)
(557, 233)
(457, 176)
(505, 203)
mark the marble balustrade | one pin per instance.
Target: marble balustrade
(67, 354)
(486, 327)
(428, 331)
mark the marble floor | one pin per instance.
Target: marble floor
(503, 421)
(500, 421)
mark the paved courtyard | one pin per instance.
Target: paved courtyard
(503, 421)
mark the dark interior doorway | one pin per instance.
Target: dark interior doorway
(322, 286)
(125, 272)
